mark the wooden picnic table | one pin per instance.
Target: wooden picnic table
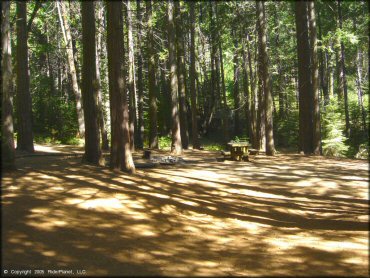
(239, 150)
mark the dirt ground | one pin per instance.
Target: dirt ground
(273, 216)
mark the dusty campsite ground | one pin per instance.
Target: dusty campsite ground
(282, 215)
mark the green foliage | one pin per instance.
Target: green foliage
(45, 139)
(334, 142)
(211, 145)
(286, 130)
(164, 142)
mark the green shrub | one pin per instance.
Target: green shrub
(334, 143)
(164, 142)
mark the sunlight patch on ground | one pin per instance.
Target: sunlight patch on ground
(169, 226)
(47, 149)
(48, 223)
(186, 202)
(108, 204)
(252, 227)
(256, 193)
(83, 191)
(162, 196)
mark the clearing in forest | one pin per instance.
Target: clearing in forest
(282, 215)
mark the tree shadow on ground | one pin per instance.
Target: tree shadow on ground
(287, 215)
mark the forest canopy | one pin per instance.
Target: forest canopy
(128, 75)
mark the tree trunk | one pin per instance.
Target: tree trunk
(323, 65)
(153, 129)
(71, 65)
(359, 87)
(236, 87)
(343, 74)
(194, 133)
(280, 75)
(304, 76)
(120, 157)
(103, 131)
(181, 77)
(246, 94)
(7, 141)
(261, 114)
(90, 84)
(217, 47)
(316, 136)
(331, 72)
(225, 114)
(131, 77)
(253, 115)
(263, 58)
(140, 124)
(24, 102)
(176, 146)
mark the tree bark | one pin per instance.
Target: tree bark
(181, 77)
(246, 94)
(90, 84)
(225, 116)
(24, 102)
(359, 87)
(316, 136)
(261, 113)
(176, 146)
(263, 58)
(71, 65)
(304, 76)
(236, 95)
(103, 131)
(195, 139)
(153, 128)
(343, 74)
(253, 115)
(323, 65)
(120, 157)
(131, 77)
(140, 124)
(7, 129)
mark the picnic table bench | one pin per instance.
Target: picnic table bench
(239, 151)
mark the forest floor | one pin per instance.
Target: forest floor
(274, 216)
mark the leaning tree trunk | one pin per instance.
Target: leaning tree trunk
(316, 136)
(90, 85)
(71, 65)
(7, 141)
(263, 58)
(153, 128)
(24, 102)
(195, 139)
(176, 146)
(120, 156)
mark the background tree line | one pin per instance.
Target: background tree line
(127, 75)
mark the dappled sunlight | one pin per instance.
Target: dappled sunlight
(279, 216)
